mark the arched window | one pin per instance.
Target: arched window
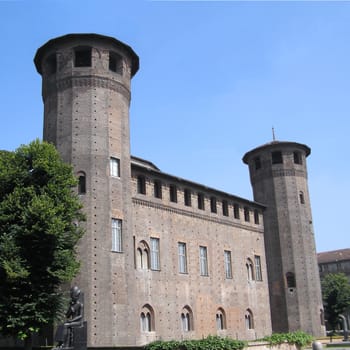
(81, 183)
(147, 319)
(250, 270)
(249, 321)
(186, 319)
(142, 256)
(220, 319)
(290, 278)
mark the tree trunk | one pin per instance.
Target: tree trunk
(28, 343)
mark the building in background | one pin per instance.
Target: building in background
(164, 257)
(335, 261)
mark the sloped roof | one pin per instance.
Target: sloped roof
(333, 256)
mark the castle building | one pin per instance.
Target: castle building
(164, 257)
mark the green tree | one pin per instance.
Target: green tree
(336, 296)
(39, 217)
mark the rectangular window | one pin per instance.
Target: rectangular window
(276, 157)
(213, 205)
(115, 63)
(187, 197)
(155, 260)
(257, 163)
(246, 214)
(224, 208)
(82, 57)
(203, 261)
(115, 167)
(258, 275)
(236, 211)
(116, 235)
(141, 184)
(256, 217)
(173, 193)
(297, 158)
(201, 201)
(182, 257)
(157, 189)
(228, 265)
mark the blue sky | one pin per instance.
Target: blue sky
(215, 77)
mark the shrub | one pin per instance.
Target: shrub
(209, 343)
(298, 338)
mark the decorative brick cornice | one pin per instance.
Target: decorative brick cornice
(89, 81)
(269, 173)
(191, 214)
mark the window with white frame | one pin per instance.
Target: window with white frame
(155, 260)
(203, 261)
(116, 235)
(182, 257)
(258, 274)
(220, 319)
(115, 167)
(228, 264)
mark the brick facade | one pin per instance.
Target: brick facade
(162, 257)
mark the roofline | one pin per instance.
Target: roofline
(274, 145)
(65, 38)
(194, 184)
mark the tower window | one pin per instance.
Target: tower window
(187, 197)
(157, 189)
(301, 197)
(82, 57)
(115, 167)
(224, 208)
(115, 63)
(141, 184)
(290, 278)
(213, 205)
(257, 163)
(116, 235)
(51, 64)
(173, 193)
(201, 201)
(297, 158)
(277, 157)
(81, 183)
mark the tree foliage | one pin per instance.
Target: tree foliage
(39, 216)
(336, 296)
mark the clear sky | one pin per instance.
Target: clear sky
(214, 78)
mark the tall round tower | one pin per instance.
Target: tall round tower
(278, 176)
(86, 93)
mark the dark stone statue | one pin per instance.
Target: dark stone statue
(72, 333)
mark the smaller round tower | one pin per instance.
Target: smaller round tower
(278, 176)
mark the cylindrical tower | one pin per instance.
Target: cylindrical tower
(278, 176)
(86, 93)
